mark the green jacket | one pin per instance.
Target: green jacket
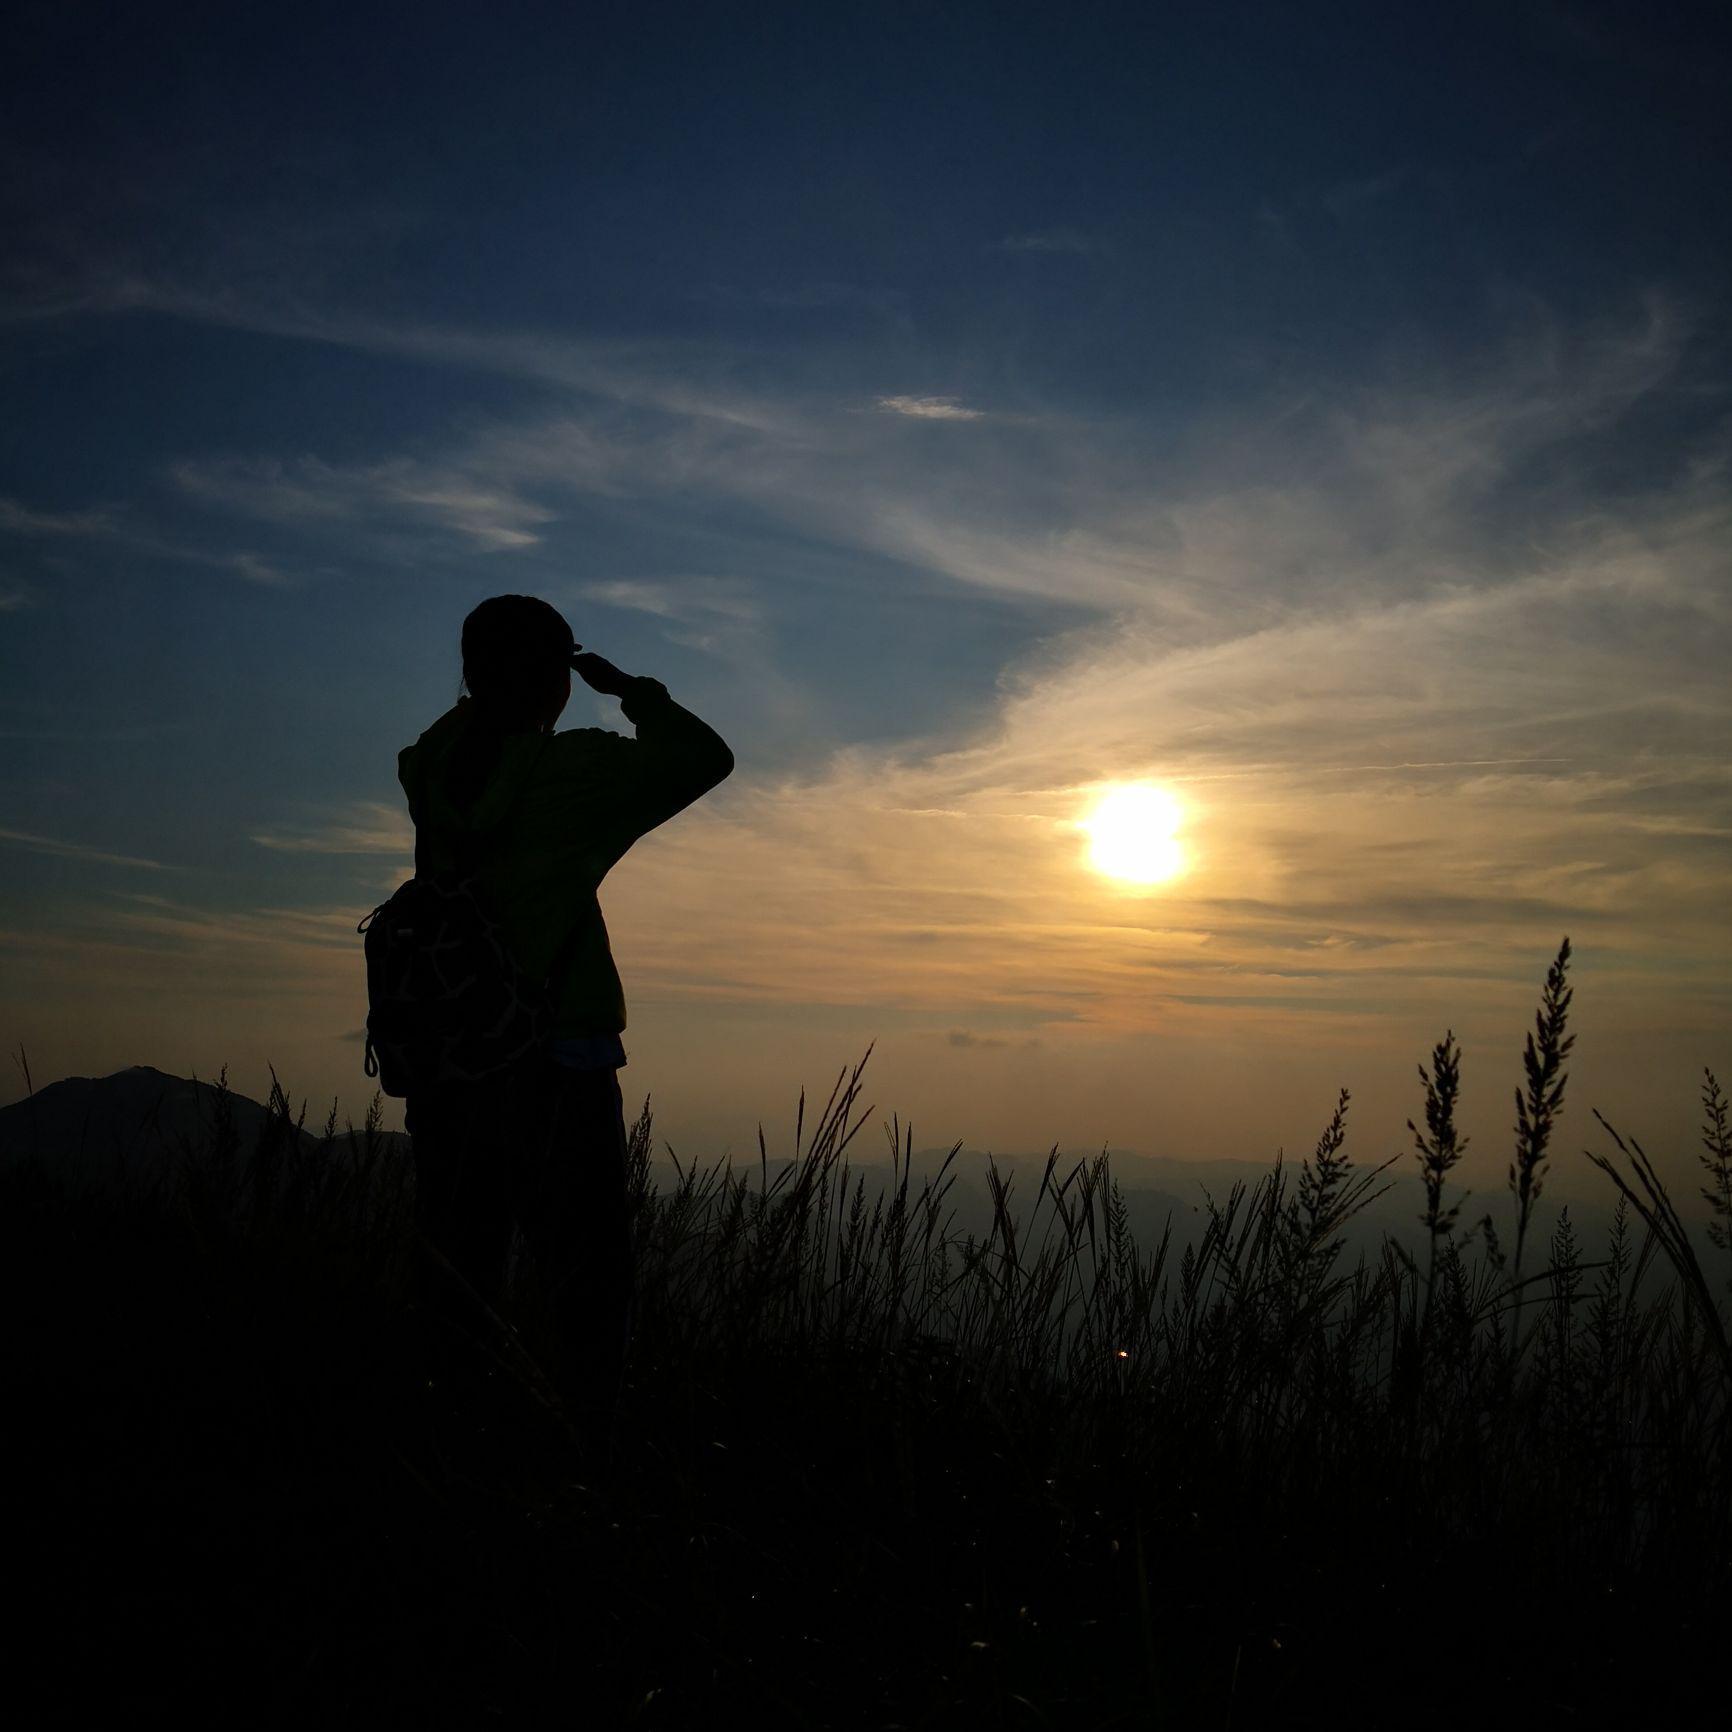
(553, 814)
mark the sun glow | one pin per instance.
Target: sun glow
(1133, 834)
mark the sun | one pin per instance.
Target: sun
(1133, 834)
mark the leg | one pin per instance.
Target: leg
(462, 1200)
(574, 1216)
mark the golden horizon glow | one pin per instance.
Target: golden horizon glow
(1133, 834)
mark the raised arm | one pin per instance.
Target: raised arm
(675, 759)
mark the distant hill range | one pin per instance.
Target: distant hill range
(127, 1131)
(1159, 1187)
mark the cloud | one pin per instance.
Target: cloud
(718, 616)
(78, 851)
(675, 598)
(493, 518)
(17, 518)
(369, 827)
(253, 568)
(682, 379)
(1329, 496)
(299, 935)
(1348, 197)
(15, 597)
(1250, 520)
(929, 408)
(1425, 714)
(21, 520)
(962, 1037)
(813, 297)
(1415, 747)
(1055, 240)
(966, 1038)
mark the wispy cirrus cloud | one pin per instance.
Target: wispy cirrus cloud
(929, 408)
(366, 827)
(813, 297)
(712, 614)
(63, 850)
(1254, 522)
(17, 518)
(1414, 749)
(1422, 722)
(493, 518)
(966, 1039)
(682, 379)
(304, 935)
(104, 525)
(1061, 240)
(1347, 198)
(681, 598)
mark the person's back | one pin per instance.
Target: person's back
(541, 817)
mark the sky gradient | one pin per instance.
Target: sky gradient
(1320, 413)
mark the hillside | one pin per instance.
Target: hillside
(132, 1129)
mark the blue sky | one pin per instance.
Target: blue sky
(1320, 412)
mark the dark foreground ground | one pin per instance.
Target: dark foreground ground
(247, 1485)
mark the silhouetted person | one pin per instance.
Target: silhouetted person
(542, 816)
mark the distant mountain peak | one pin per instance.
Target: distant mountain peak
(128, 1126)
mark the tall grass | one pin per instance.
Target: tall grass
(1599, 1408)
(876, 1470)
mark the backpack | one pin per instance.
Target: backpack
(446, 1002)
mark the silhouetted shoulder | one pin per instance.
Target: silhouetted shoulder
(588, 764)
(577, 749)
(631, 784)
